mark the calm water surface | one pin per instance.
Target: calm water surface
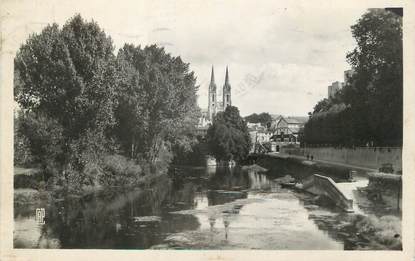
(194, 208)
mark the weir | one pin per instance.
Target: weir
(325, 186)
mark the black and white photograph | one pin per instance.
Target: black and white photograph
(206, 125)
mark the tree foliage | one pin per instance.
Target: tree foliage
(79, 102)
(264, 118)
(157, 100)
(371, 101)
(67, 77)
(228, 137)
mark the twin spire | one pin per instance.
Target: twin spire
(214, 105)
(212, 77)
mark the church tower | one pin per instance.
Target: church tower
(212, 96)
(227, 99)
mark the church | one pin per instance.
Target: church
(214, 105)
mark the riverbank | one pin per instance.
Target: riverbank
(373, 193)
(91, 211)
(303, 159)
(31, 190)
(358, 157)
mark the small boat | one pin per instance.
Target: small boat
(288, 184)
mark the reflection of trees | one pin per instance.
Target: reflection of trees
(183, 198)
(229, 179)
(179, 222)
(217, 197)
(105, 220)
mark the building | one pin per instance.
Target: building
(259, 134)
(288, 129)
(214, 105)
(259, 137)
(334, 88)
(275, 119)
(202, 131)
(203, 124)
(263, 136)
(204, 119)
(337, 86)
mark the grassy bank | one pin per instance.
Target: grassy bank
(33, 187)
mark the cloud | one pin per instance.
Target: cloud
(281, 55)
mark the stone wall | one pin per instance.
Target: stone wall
(361, 156)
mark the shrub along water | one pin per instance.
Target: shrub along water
(85, 111)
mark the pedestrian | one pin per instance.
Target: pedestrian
(312, 157)
(308, 156)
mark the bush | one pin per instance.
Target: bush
(22, 155)
(382, 233)
(120, 171)
(27, 181)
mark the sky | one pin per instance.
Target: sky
(281, 55)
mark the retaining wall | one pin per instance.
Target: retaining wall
(361, 156)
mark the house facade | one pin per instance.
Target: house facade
(287, 130)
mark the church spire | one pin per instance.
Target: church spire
(212, 84)
(227, 76)
(212, 76)
(212, 96)
(227, 99)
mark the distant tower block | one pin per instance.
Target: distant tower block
(212, 96)
(227, 97)
(334, 88)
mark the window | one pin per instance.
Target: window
(213, 97)
(227, 98)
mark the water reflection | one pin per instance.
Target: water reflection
(193, 208)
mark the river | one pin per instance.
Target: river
(193, 208)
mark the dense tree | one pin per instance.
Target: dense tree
(157, 103)
(264, 118)
(369, 109)
(67, 77)
(376, 87)
(322, 106)
(80, 103)
(228, 137)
